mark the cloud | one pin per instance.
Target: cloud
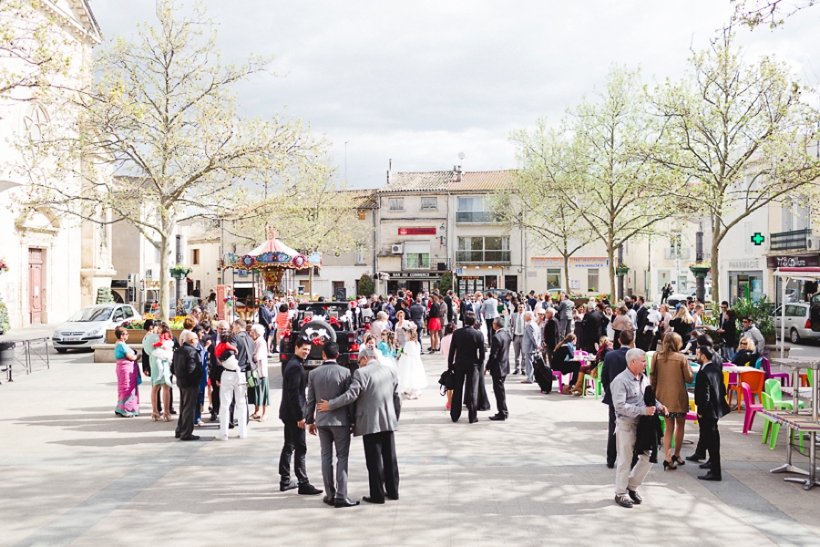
(420, 81)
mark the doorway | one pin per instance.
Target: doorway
(35, 285)
(511, 283)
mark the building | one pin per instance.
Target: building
(56, 263)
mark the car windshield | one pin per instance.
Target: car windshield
(87, 315)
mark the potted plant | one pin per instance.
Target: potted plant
(700, 269)
(622, 269)
(179, 271)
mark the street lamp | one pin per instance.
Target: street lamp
(179, 272)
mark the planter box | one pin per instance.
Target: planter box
(104, 353)
(134, 336)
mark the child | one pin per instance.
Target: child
(412, 377)
(164, 353)
(388, 347)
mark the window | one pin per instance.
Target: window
(118, 315)
(483, 249)
(416, 261)
(129, 312)
(474, 209)
(395, 204)
(429, 204)
(195, 257)
(361, 253)
(553, 279)
(592, 279)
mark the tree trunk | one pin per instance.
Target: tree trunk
(715, 267)
(566, 274)
(610, 255)
(164, 276)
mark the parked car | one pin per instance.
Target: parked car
(673, 299)
(798, 322)
(88, 325)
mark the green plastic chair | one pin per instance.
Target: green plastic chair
(598, 387)
(649, 355)
(772, 387)
(771, 429)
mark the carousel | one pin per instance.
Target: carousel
(268, 264)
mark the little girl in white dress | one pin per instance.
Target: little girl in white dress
(412, 377)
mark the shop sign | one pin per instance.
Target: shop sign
(411, 275)
(575, 262)
(746, 264)
(793, 261)
(417, 231)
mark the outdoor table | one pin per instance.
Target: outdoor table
(739, 371)
(800, 423)
(797, 363)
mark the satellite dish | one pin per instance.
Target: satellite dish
(461, 155)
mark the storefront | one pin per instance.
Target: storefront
(472, 279)
(796, 290)
(745, 280)
(415, 282)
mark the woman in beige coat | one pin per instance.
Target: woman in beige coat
(669, 373)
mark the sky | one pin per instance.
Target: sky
(419, 82)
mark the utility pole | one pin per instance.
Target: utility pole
(700, 280)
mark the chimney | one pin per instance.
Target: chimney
(456, 173)
(389, 170)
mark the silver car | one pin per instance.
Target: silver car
(798, 323)
(87, 326)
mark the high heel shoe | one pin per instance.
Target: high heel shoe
(668, 466)
(166, 417)
(155, 416)
(677, 460)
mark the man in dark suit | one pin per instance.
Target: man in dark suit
(188, 370)
(710, 399)
(614, 364)
(466, 356)
(375, 390)
(498, 365)
(641, 313)
(326, 382)
(550, 333)
(293, 413)
(594, 325)
(448, 300)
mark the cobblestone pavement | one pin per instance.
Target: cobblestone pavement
(75, 474)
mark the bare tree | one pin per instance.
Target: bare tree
(772, 13)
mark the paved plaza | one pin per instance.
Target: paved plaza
(75, 474)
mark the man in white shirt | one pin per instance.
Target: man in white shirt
(489, 309)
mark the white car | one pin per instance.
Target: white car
(798, 322)
(87, 326)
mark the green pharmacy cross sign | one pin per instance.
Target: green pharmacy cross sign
(758, 238)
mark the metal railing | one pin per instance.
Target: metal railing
(476, 217)
(786, 241)
(424, 262)
(494, 257)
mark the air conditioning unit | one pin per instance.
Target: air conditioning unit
(813, 243)
(397, 249)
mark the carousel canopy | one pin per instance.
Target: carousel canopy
(272, 254)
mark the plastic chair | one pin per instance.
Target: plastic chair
(751, 409)
(772, 428)
(773, 389)
(596, 386)
(649, 355)
(783, 377)
(557, 374)
(755, 379)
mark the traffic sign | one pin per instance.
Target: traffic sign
(758, 238)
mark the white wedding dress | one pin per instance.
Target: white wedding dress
(412, 376)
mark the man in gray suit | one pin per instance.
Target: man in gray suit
(563, 314)
(326, 382)
(530, 344)
(375, 388)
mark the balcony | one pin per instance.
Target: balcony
(483, 257)
(673, 253)
(476, 217)
(787, 241)
(424, 262)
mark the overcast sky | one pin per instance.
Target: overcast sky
(421, 81)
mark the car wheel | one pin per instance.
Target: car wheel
(794, 337)
(61, 350)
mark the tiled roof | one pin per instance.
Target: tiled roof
(428, 181)
(483, 180)
(366, 198)
(443, 181)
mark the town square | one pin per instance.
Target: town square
(361, 273)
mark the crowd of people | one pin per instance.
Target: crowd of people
(226, 364)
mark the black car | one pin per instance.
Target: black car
(322, 322)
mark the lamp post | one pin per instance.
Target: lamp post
(621, 271)
(700, 280)
(179, 272)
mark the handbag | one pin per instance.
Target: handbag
(446, 381)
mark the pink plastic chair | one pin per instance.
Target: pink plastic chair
(560, 376)
(751, 409)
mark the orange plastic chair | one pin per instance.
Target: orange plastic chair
(756, 380)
